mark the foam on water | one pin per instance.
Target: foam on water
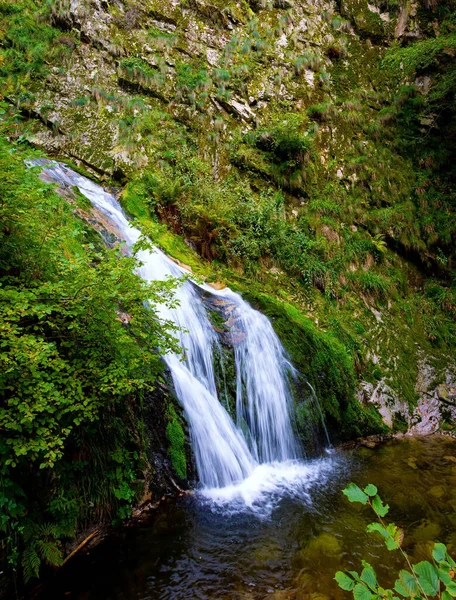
(268, 484)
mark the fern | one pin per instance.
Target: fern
(30, 563)
(50, 552)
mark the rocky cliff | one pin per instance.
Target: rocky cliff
(301, 150)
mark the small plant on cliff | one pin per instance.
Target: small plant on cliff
(421, 581)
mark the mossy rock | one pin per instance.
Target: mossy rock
(176, 437)
(367, 22)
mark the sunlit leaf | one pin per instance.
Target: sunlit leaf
(370, 490)
(361, 592)
(355, 494)
(380, 508)
(345, 582)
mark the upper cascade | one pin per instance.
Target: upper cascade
(226, 452)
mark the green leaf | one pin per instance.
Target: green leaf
(370, 490)
(380, 508)
(444, 575)
(368, 575)
(345, 582)
(361, 592)
(408, 583)
(400, 589)
(451, 588)
(439, 552)
(391, 533)
(376, 527)
(446, 596)
(427, 577)
(395, 537)
(355, 494)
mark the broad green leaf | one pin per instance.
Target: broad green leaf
(439, 552)
(451, 588)
(444, 575)
(391, 533)
(396, 534)
(380, 508)
(376, 527)
(446, 596)
(427, 577)
(355, 494)
(368, 575)
(400, 589)
(370, 490)
(345, 582)
(361, 592)
(409, 583)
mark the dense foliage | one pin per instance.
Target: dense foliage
(80, 340)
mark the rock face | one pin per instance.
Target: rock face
(436, 404)
(386, 400)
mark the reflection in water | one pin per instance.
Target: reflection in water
(204, 550)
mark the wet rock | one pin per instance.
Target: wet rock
(217, 285)
(239, 109)
(182, 265)
(433, 401)
(385, 399)
(407, 25)
(368, 443)
(234, 338)
(426, 531)
(412, 463)
(437, 491)
(434, 406)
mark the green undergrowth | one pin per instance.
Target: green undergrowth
(72, 372)
(176, 437)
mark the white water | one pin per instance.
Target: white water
(228, 455)
(269, 483)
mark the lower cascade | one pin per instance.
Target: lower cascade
(227, 452)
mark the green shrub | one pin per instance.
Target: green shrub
(80, 338)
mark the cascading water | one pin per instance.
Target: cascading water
(227, 453)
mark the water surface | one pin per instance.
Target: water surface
(281, 540)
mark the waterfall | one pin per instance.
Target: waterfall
(226, 452)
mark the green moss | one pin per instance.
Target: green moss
(367, 22)
(176, 437)
(135, 200)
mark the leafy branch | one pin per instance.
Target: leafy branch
(421, 581)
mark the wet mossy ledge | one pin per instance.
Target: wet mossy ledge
(324, 363)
